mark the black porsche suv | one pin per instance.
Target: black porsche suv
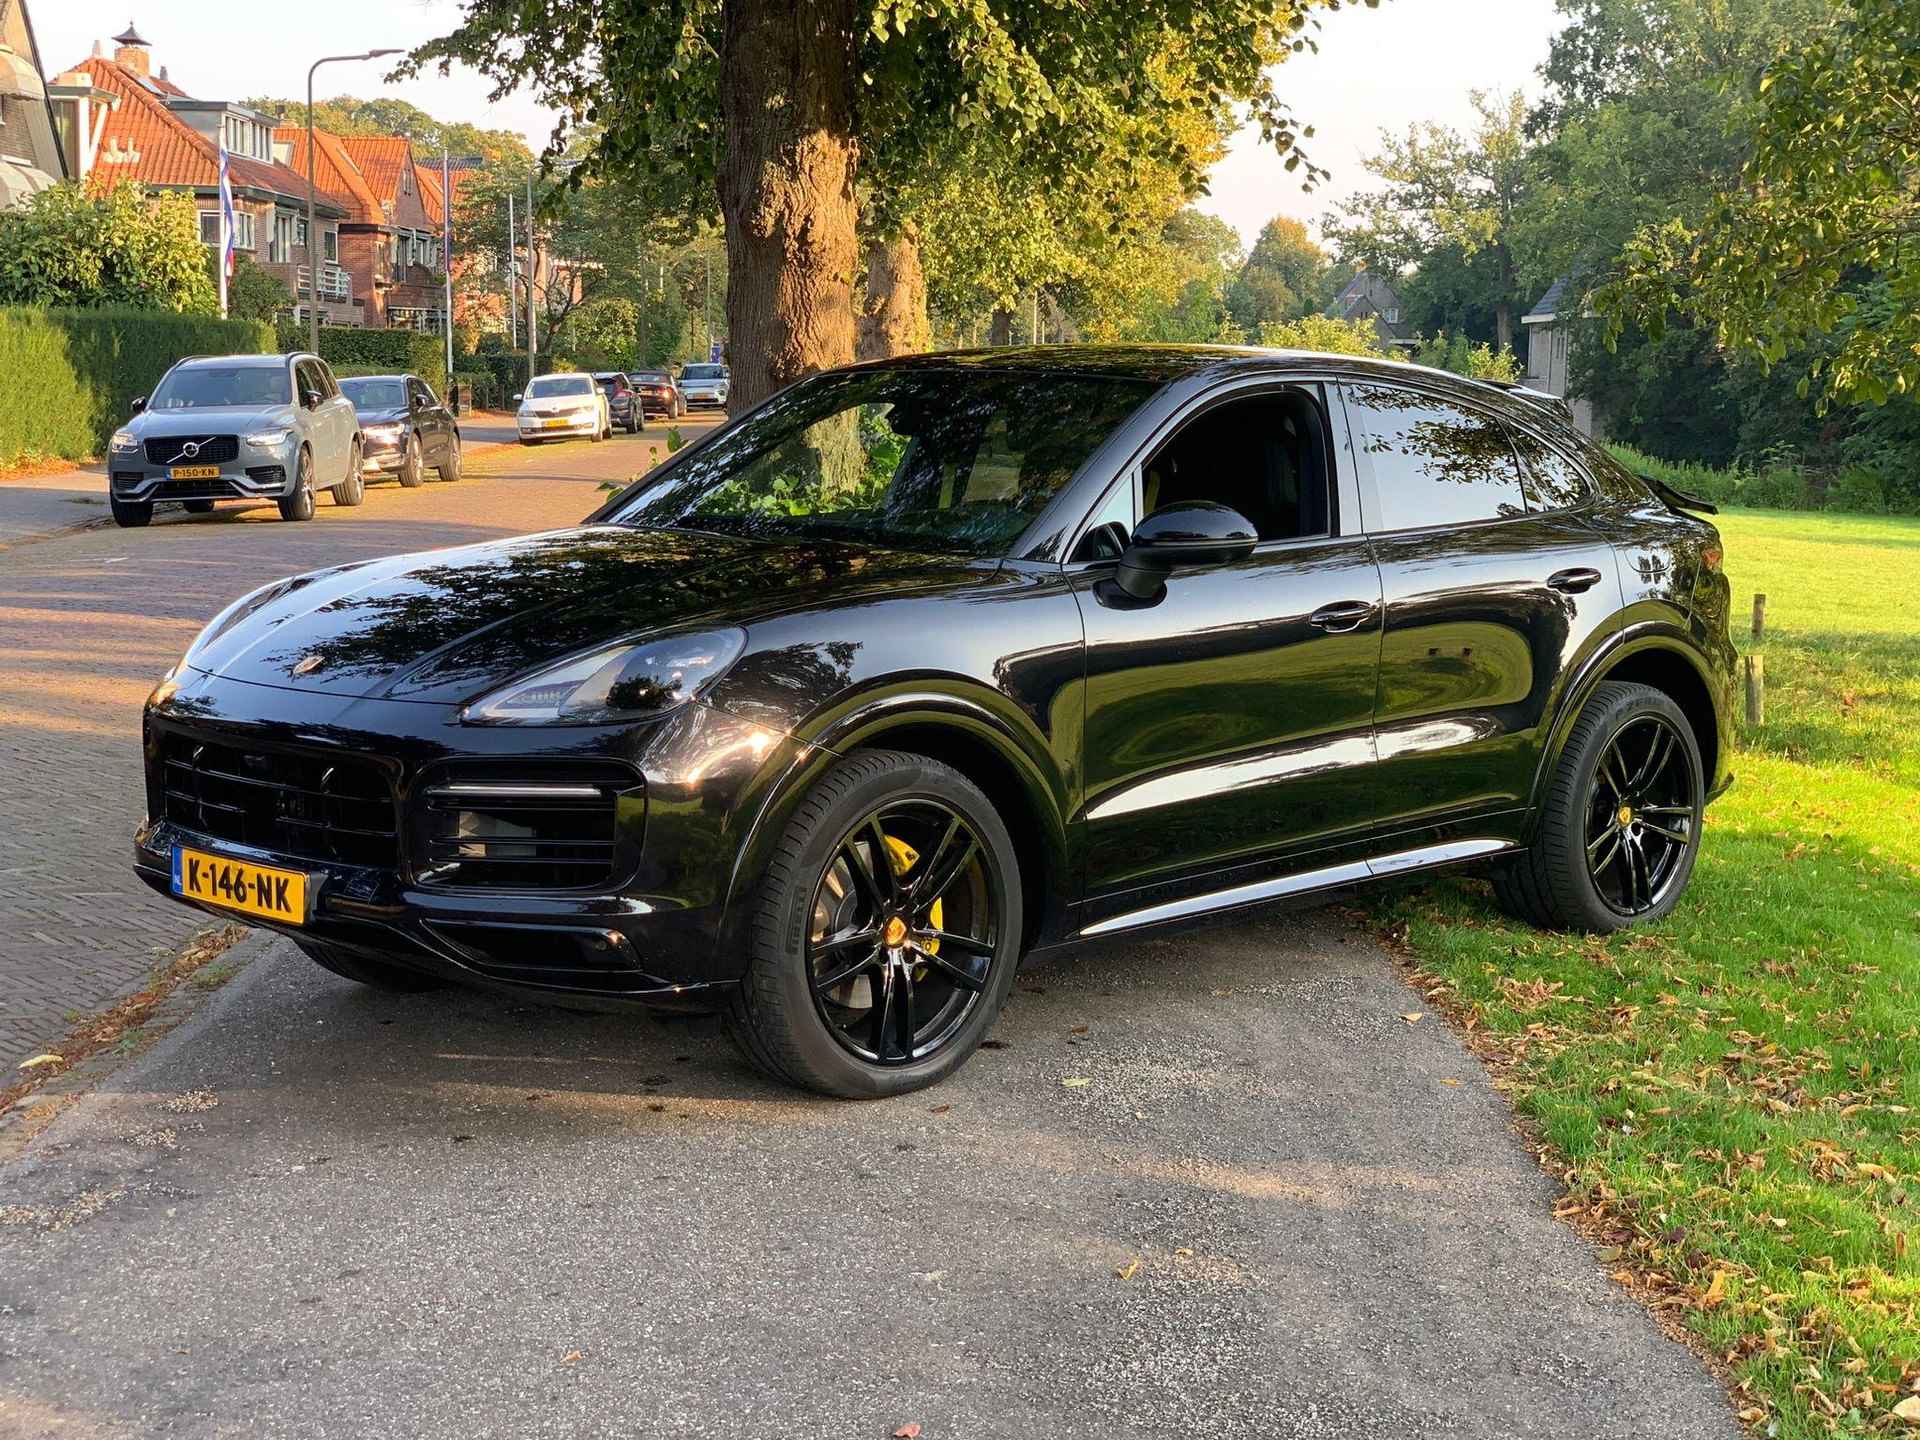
(924, 666)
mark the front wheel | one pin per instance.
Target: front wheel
(1618, 834)
(299, 505)
(353, 489)
(410, 471)
(130, 514)
(886, 931)
(450, 467)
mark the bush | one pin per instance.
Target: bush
(1858, 488)
(508, 369)
(375, 352)
(70, 376)
(481, 388)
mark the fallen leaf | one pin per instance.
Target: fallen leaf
(908, 1431)
(1075, 1082)
(1078, 1030)
(1909, 1409)
(1129, 1270)
(1449, 1080)
(38, 1060)
(938, 1109)
(1413, 1017)
(1716, 1291)
(572, 1357)
(1183, 1253)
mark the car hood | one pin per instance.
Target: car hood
(448, 625)
(381, 415)
(210, 420)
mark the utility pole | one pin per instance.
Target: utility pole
(313, 229)
(706, 306)
(533, 269)
(513, 271)
(446, 251)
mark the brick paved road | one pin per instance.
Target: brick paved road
(87, 624)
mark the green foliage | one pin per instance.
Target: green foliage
(1285, 277)
(384, 115)
(1326, 334)
(1461, 356)
(252, 292)
(481, 388)
(125, 247)
(72, 375)
(1826, 196)
(376, 352)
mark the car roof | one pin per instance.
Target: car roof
(1165, 363)
(397, 375)
(247, 361)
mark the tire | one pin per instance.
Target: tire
(130, 514)
(1617, 836)
(364, 970)
(410, 471)
(827, 1041)
(527, 440)
(197, 507)
(352, 490)
(299, 505)
(450, 467)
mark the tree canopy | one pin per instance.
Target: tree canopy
(125, 246)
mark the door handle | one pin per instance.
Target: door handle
(1572, 582)
(1346, 615)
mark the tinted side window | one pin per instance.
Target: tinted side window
(1434, 463)
(306, 382)
(1554, 481)
(1264, 455)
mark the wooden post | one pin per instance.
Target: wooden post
(1759, 615)
(1756, 692)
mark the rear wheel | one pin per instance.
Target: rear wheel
(299, 505)
(364, 970)
(885, 934)
(130, 514)
(1619, 832)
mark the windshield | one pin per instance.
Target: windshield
(650, 377)
(704, 372)
(951, 461)
(560, 385)
(375, 394)
(200, 387)
(613, 384)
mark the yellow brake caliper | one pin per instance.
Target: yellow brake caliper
(903, 857)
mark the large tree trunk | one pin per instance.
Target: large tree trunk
(893, 316)
(787, 86)
(1002, 332)
(1503, 325)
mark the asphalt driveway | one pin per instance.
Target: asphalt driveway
(314, 1210)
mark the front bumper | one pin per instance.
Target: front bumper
(254, 474)
(704, 397)
(542, 427)
(381, 456)
(649, 936)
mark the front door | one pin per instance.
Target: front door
(1493, 584)
(1229, 722)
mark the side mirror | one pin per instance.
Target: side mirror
(1194, 532)
(139, 404)
(518, 397)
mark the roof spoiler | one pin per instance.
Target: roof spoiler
(1676, 499)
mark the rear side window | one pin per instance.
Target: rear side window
(1433, 462)
(1554, 482)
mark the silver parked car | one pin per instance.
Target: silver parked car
(705, 385)
(237, 427)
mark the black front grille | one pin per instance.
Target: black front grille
(312, 806)
(548, 829)
(210, 449)
(267, 474)
(194, 490)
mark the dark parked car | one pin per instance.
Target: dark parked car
(659, 393)
(405, 426)
(924, 666)
(623, 402)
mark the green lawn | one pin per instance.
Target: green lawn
(1736, 1094)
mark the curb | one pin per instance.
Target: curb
(26, 1120)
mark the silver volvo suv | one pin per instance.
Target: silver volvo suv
(237, 427)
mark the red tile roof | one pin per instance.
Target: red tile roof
(335, 175)
(163, 149)
(427, 182)
(381, 159)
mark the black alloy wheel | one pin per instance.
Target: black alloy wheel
(902, 933)
(885, 933)
(1640, 814)
(1618, 830)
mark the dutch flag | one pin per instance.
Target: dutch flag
(226, 230)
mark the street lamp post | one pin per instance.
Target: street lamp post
(313, 227)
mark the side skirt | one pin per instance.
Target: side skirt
(1330, 877)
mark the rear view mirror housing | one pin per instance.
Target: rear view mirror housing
(1193, 532)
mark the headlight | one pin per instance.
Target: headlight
(269, 439)
(626, 682)
(125, 441)
(390, 430)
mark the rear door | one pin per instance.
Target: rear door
(1494, 585)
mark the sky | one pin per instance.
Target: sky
(1406, 61)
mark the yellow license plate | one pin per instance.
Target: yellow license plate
(263, 890)
(559, 424)
(193, 472)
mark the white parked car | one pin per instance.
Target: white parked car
(556, 406)
(705, 385)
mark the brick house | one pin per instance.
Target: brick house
(389, 229)
(121, 121)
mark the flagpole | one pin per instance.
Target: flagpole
(226, 228)
(446, 248)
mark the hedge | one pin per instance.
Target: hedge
(376, 352)
(69, 376)
(508, 369)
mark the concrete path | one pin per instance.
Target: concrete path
(320, 1211)
(88, 623)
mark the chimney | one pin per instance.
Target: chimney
(130, 51)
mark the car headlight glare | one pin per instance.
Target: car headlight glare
(269, 439)
(125, 441)
(625, 682)
(389, 430)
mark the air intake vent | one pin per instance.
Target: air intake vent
(307, 805)
(547, 830)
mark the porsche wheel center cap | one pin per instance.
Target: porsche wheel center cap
(894, 933)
